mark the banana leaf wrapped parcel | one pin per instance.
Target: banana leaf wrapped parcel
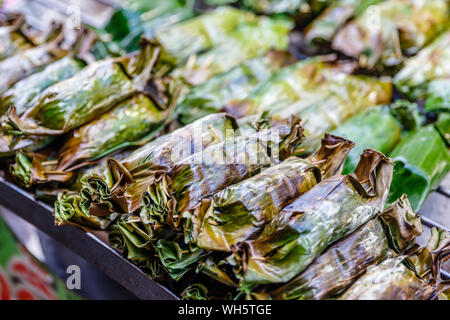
(121, 186)
(387, 32)
(405, 278)
(393, 230)
(249, 40)
(14, 35)
(429, 65)
(215, 168)
(422, 160)
(236, 84)
(327, 24)
(240, 211)
(91, 92)
(132, 122)
(300, 8)
(317, 219)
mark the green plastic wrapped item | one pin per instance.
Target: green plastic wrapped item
(422, 160)
(236, 84)
(180, 189)
(405, 278)
(241, 211)
(394, 230)
(429, 65)
(327, 24)
(200, 33)
(387, 32)
(120, 187)
(250, 39)
(378, 128)
(91, 92)
(327, 213)
(132, 122)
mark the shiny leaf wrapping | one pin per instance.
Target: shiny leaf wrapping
(305, 228)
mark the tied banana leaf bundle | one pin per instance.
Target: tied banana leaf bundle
(201, 33)
(322, 94)
(327, 24)
(422, 160)
(390, 30)
(343, 263)
(121, 186)
(317, 219)
(132, 122)
(215, 168)
(377, 128)
(429, 65)
(24, 94)
(241, 211)
(249, 40)
(213, 94)
(91, 92)
(405, 278)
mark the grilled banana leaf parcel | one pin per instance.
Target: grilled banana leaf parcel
(200, 33)
(422, 160)
(327, 213)
(240, 211)
(327, 24)
(133, 122)
(215, 168)
(236, 84)
(431, 63)
(390, 30)
(378, 128)
(403, 278)
(120, 187)
(13, 35)
(94, 90)
(249, 40)
(343, 263)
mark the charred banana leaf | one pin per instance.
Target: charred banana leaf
(214, 169)
(91, 92)
(133, 122)
(388, 31)
(240, 211)
(402, 278)
(324, 215)
(422, 160)
(236, 84)
(120, 187)
(343, 263)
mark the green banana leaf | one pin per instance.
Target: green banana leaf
(248, 40)
(120, 187)
(132, 122)
(322, 94)
(438, 95)
(431, 63)
(378, 128)
(196, 291)
(94, 90)
(213, 169)
(422, 160)
(236, 84)
(27, 62)
(200, 33)
(240, 211)
(443, 126)
(387, 32)
(330, 211)
(291, 7)
(398, 279)
(326, 25)
(343, 263)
